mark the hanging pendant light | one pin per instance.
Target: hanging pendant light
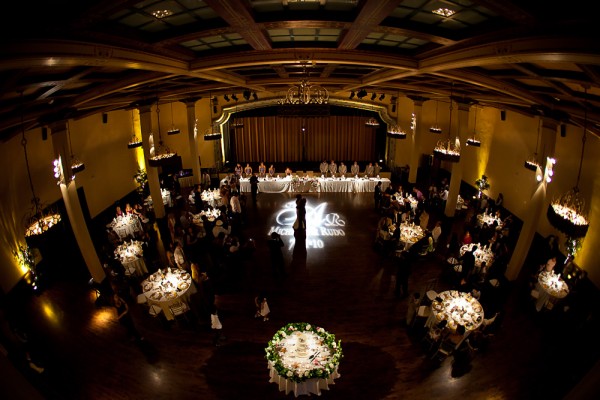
(567, 213)
(532, 162)
(436, 128)
(448, 150)
(76, 164)
(37, 221)
(396, 132)
(213, 132)
(162, 154)
(372, 122)
(473, 141)
(173, 130)
(134, 141)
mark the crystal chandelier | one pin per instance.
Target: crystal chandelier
(448, 150)
(134, 141)
(162, 154)
(306, 93)
(173, 130)
(37, 221)
(473, 141)
(396, 132)
(372, 122)
(213, 132)
(567, 213)
(435, 128)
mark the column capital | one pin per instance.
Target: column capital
(190, 101)
(418, 100)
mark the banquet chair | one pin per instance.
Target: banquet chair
(423, 313)
(179, 310)
(142, 299)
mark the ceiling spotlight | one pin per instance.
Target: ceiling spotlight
(234, 97)
(246, 95)
(254, 96)
(352, 94)
(382, 96)
(373, 96)
(361, 93)
(226, 98)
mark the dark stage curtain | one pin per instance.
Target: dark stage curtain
(278, 139)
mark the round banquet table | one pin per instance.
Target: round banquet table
(301, 352)
(551, 287)
(458, 308)
(127, 225)
(484, 219)
(167, 289)
(212, 197)
(131, 256)
(481, 254)
(409, 234)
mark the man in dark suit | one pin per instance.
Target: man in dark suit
(378, 195)
(254, 186)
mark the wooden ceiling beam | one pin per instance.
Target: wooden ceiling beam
(369, 17)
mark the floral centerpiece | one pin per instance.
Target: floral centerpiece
(482, 184)
(275, 350)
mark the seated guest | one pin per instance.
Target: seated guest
(271, 171)
(324, 167)
(119, 212)
(247, 170)
(238, 170)
(262, 170)
(355, 169)
(342, 169)
(369, 170)
(467, 239)
(288, 171)
(332, 168)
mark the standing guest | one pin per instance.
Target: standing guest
(262, 170)
(262, 307)
(175, 185)
(271, 171)
(171, 222)
(219, 228)
(378, 195)
(418, 194)
(216, 326)
(277, 263)
(467, 239)
(332, 168)
(206, 181)
(324, 167)
(180, 258)
(254, 186)
(369, 170)
(247, 170)
(437, 231)
(355, 169)
(125, 318)
(300, 223)
(342, 169)
(376, 169)
(444, 196)
(468, 264)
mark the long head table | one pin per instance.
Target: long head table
(305, 185)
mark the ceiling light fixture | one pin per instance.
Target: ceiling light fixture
(36, 221)
(373, 96)
(449, 150)
(173, 130)
(306, 93)
(444, 12)
(396, 132)
(382, 96)
(472, 141)
(160, 14)
(435, 128)
(567, 213)
(134, 141)
(213, 132)
(361, 93)
(162, 154)
(76, 164)
(532, 162)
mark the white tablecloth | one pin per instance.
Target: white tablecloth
(350, 185)
(409, 234)
(308, 387)
(127, 225)
(458, 308)
(481, 254)
(551, 287)
(488, 219)
(131, 256)
(166, 197)
(212, 198)
(164, 290)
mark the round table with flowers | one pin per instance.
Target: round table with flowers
(458, 308)
(131, 255)
(551, 287)
(303, 359)
(166, 288)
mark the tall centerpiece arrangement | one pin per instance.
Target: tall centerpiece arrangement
(482, 184)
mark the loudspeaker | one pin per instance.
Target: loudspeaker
(44, 133)
(503, 115)
(563, 131)
(104, 118)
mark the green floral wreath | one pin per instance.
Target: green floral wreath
(273, 349)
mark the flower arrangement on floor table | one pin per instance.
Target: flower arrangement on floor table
(273, 352)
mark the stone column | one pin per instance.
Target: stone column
(416, 139)
(68, 189)
(190, 105)
(152, 172)
(535, 206)
(456, 171)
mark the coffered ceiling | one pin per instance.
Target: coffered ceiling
(70, 59)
